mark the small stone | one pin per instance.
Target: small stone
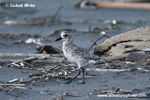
(65, 73)
(10, 22)
(103, 32)
(60, 73)
(114, 22)
(22, 64)
(148, 62)
(30, 40)
(13, 80)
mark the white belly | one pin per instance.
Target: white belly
(70, 58)
(76, 60)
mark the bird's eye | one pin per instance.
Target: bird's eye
(65, 35)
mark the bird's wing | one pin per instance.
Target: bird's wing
(81, 52)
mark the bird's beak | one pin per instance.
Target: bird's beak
(58, 39)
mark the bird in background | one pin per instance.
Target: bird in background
(77, 55)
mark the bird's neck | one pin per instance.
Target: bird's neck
(67, 42)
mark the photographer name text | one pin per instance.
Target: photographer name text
(20, 5)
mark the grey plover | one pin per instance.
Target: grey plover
(77, 55)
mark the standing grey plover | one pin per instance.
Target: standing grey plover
(77, 55)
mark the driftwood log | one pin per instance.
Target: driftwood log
(132, 4)
(49, 49)
(123, 5)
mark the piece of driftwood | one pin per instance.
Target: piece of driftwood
(33, 61)
(49, 56)
(15, 23)
(116, 70)
(13, 80)
(55, 75)
(49, 49)
(29, 59)
(47, 61)
(13, 84)
(41, 59)
(134, 0)
(107, 70)
(23, 62)
(116, 45)
(86, 4)
(123, 5)
(21, 55)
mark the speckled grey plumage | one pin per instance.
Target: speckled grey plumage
(76, 54)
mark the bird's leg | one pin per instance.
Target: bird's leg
(73, 78)
(83, 75)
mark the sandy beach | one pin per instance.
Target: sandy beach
(39, 21)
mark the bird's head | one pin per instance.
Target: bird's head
(65, 36)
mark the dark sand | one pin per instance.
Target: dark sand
(81, 19)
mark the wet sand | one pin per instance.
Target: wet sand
(75, 19)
